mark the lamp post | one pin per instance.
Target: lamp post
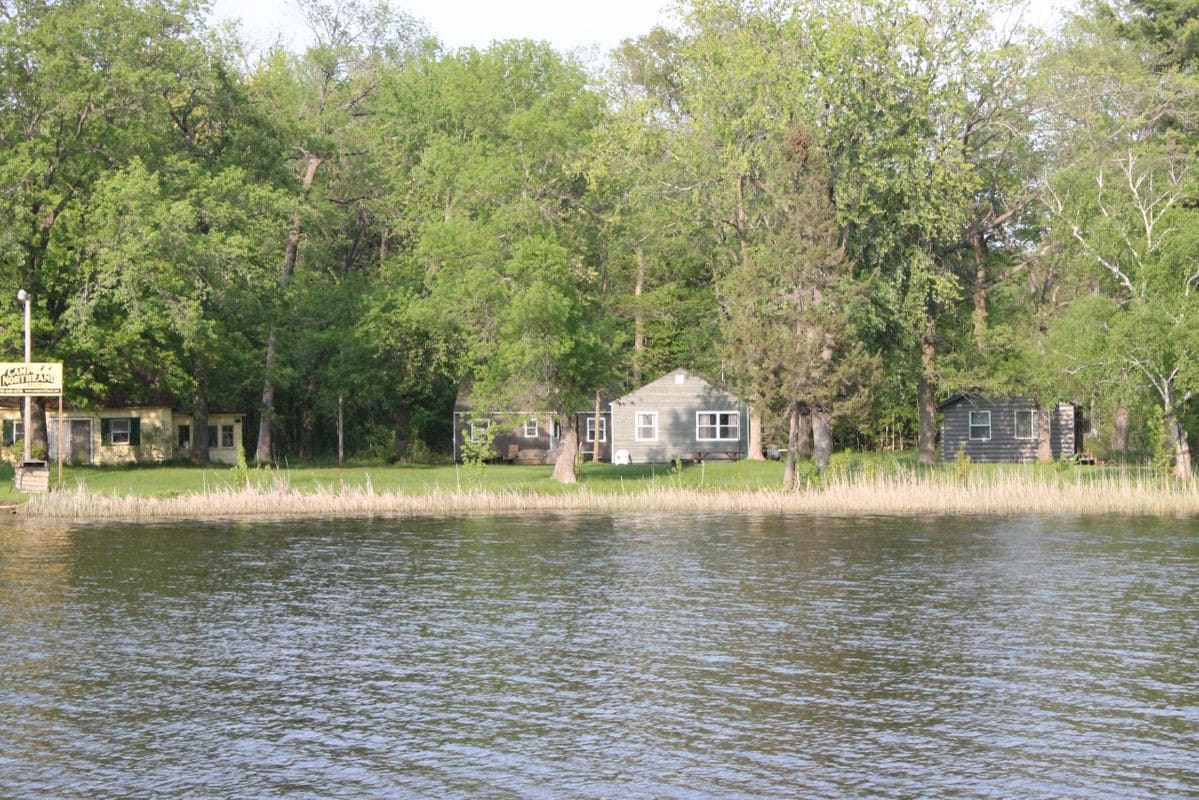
(26, 298)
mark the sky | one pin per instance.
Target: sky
(566, 24)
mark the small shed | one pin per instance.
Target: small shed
(680, 415)
(1006, 430)
(528, 431)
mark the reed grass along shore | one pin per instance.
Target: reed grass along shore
(900, 494)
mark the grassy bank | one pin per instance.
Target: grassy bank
(869, 486)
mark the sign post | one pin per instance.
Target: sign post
(29, 380)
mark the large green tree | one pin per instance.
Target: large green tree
(89, 87)
(499, 259)
(1121, 205)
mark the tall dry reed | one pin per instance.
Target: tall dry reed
(903, 493)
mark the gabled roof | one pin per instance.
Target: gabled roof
(670, 378)
(956, 398)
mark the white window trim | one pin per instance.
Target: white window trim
(1032, 426)
(637, 426)
(127, 433)
(531, 422)
(718, 438)
(232, 436)
(970, 426)
(590, 429)
(478, 429)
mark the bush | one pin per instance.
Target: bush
(961, 466)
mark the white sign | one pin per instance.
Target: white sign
(40, 379)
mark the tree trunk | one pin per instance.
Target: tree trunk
(39, 435)
(1045, 433)
(262, 453)
(1120, 432)
(198, 452)
(822, 438)
(979, 244)
(755, 437)
(403, 430)
(803, 449)
(793, 415)
(568, 448)
(638, 317)
(341, 431)
(926, 439)
(1177, 436)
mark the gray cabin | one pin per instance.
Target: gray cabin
(680, 415)
(1005, 430)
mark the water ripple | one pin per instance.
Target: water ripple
(594, 657)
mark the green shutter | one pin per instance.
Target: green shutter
(135, 431)
(105, 431)
(10, 432)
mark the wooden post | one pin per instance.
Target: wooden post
(61, 423)
(595, 444)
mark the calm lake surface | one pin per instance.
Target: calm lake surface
(585, 656)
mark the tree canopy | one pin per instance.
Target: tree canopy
(846, 209)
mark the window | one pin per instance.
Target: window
(646, 426)
(478, 430)
(717, 426)
(603, 429)
(531, 428)
(212, 435)
(120, 431)
(1026, 424)
(227, 436)
(14, 431)
(185, 435)
(980, 425)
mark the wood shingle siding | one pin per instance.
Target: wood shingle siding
(511, 432)
(677, 399)
(1003, 446)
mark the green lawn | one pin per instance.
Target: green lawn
(160, 481)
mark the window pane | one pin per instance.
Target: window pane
(120, 431)
(647, 426)
(1026, 424)
(531, 428)
(212, 435)
(185, 435)
(730, 426)
(980, 424)
(226, 436)
(718, 425)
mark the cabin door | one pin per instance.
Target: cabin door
(81, 441)
(78, 445)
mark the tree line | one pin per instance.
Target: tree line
(842, 209)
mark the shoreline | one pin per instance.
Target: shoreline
(880, 495)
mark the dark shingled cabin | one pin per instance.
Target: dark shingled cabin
(1006, 430)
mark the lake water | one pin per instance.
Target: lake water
(586, 656)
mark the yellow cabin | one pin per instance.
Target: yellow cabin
(142, 434)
